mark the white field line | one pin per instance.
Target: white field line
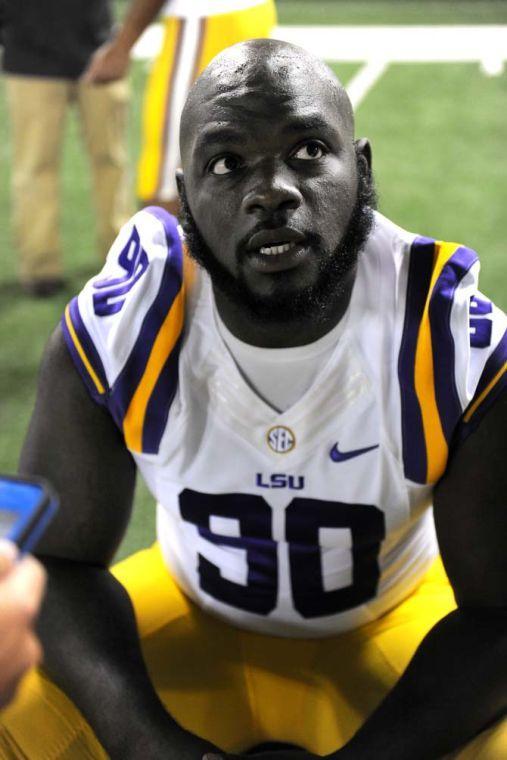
(379, 46)
(406, 44)
(360, 84)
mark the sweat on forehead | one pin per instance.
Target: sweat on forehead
(258, 66)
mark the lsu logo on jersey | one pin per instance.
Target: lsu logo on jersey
(280, 480)
(281, 439)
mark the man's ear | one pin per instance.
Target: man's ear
(363, 148)
(180, 182)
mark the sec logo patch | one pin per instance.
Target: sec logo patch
(281, 439)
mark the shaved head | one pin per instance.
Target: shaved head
(276, 193)
(254, 67)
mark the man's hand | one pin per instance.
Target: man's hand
(21, 589)
(109, 63)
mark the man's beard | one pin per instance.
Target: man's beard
(282, 304)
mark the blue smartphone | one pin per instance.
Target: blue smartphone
(26, 508)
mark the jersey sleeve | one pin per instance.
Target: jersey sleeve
(452, 355)
(124, 329)
(487, 370)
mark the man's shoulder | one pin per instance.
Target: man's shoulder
(450, 348)
(428, 274)
(391, 238)
(124, 329)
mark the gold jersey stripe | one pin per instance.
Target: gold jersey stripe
(478, 401)
(163, 345)
(80, 350)
(436, 445)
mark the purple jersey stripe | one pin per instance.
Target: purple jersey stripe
(419, 278)
(157, 410)
(492, 366)
(467, 428)
(446, 393)
(87, 348)
(78, 362)
(86, 342)
(170, 285)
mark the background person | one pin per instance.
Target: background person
(194, 32)
(21, 589)
(47, 45)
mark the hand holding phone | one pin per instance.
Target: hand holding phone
(26, 508)
(21, 588)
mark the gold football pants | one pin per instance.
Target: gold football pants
(240, 689)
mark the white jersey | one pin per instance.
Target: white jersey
(203, 8)
(317, 519)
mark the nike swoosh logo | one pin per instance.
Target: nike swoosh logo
(342, 456)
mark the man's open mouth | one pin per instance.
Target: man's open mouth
(271, 250)
(272, 242)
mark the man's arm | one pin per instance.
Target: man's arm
(87, 624)
(111, 60)
(456, 683)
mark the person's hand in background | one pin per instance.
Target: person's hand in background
(21, 590)
(109, 63)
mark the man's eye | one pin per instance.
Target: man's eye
(310, 151)
(223, 165)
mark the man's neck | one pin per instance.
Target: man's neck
(282, 334)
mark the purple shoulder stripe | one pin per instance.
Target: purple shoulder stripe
(473, 416)
(442, 297)
(160, 402)
(85, 343)
(492, 366)
(419, 278)
(170, 285)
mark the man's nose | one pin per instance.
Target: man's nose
(272, 192)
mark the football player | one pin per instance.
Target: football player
(318, 411)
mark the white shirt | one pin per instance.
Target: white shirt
(281, 376)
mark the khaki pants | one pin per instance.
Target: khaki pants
(37, 107)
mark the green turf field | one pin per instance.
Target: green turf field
(392, 12)
(438, 133)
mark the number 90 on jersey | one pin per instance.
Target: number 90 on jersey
(304, 521)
